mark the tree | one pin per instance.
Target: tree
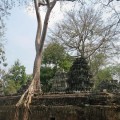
(56, 55)
(46, 74)
(108, 78)
(85, 33)
(40, 36)
(55, 58)
(15, 78)
(103, 76)
(5, 7)
(115, 71)
(35, 85)
(3, 63)
(97, 62)
(10, 88)
(111, 7)
(53, 54)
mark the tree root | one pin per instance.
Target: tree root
(21, 113)
(16, 116)
(27, 95)
(24, 102)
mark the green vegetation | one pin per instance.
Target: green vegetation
(107, 78)
(54, 54)
(46, 74)
(15, 78)
(55, 58)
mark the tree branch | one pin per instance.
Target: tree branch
(39, 28)
(94, 50)
(45, 26)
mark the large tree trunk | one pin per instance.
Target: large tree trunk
(37, 62)
(40, 38)
(35, 85)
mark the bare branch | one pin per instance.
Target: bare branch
(45, 26)
(85, 32)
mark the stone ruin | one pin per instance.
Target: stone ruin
(82, 106)
(79, 76)
(77, 79)
(59, 82)
(66, 106)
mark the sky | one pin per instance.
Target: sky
(21, 31)
(20, 36)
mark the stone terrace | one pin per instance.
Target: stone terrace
(77, 106)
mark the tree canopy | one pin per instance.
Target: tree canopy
(85, 32)
(55, 54)
(15, 78)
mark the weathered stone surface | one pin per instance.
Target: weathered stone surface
(82, 106)
(8, 100)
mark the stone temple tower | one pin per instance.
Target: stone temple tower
(79, 76)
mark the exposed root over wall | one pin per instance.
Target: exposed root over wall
(24, 102)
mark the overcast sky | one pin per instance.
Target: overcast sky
(21, 32)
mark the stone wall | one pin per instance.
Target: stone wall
(75, 113)
(64, 113)
(65, 107)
